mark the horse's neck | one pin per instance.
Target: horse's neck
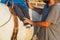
(4, 13)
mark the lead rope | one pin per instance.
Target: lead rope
(15, 30)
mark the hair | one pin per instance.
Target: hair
(57, 1)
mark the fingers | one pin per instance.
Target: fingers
(25, 18)
(27, 21)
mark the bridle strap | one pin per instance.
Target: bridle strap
(6, 21)
(15, 30)
(12, 3)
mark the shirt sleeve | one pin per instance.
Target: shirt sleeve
(3, 1)
(53, 15)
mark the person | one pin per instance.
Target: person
(21, 9)
(39, 10)
(50, 23)
(35, 17)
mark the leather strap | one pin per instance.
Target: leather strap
(15, 31)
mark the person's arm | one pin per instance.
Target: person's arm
(39, 10)
(38, 24)
(41, 24)
(29, 5)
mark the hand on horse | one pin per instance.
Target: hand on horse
(28, 21)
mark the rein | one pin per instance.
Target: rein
(6, 21)
(15, 30)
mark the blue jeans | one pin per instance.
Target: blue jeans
(21, 11)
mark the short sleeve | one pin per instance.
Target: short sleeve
(53, 15)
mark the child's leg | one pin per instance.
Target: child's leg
(24, 10)
(19, 12)
(21, 15)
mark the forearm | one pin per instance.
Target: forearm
(41, 24)
(39, 10)
(29, 5)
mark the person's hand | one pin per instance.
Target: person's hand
(28, 21)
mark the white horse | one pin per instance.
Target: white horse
(7, 26)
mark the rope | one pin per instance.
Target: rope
(6, 21)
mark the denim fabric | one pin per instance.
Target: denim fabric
(21, 11)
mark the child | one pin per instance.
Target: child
(21, 9)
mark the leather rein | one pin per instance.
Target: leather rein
(15, 30)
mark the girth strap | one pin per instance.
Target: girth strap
(15, 30)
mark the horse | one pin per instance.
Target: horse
(7, 26)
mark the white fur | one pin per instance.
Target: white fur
(7, 30)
